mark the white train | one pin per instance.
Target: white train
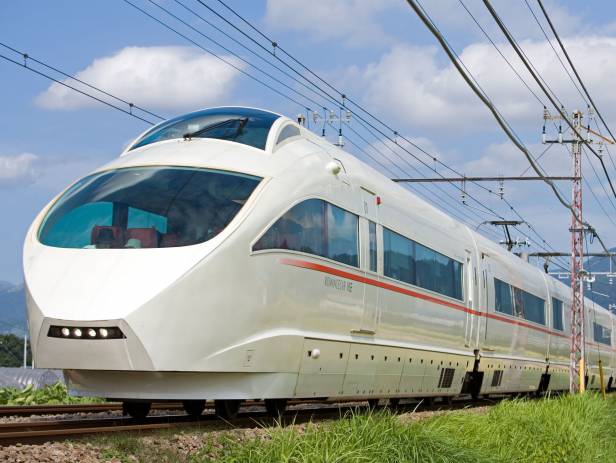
(231, 254)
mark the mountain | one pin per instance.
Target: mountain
(603, 289)
(12, 308)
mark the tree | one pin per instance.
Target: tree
(12, 351)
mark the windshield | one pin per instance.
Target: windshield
(241, 125)
(146, 207)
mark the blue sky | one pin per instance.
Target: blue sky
(375, 50)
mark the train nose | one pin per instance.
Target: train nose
(85, 289)
(99, 345)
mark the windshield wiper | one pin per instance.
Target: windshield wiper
(242, 122)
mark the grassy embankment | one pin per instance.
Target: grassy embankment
(567, 429)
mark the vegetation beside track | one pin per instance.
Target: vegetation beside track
(567, 429)
(55, 394)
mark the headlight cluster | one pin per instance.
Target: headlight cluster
(80, 332)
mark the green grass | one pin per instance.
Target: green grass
(568, 429)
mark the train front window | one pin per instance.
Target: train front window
(146, 207)
(241, 125)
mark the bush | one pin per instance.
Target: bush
(48, 395)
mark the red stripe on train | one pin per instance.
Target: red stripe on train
(408, 292)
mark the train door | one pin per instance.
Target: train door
(369, 257)
(485, 296)
(472, 301)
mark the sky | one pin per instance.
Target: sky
(375, 51)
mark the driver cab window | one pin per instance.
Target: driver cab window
(287, 132)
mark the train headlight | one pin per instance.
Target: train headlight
(85, 332)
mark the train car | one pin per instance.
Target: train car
(231, 254)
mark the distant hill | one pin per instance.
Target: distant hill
(603, 290)
(12, 308)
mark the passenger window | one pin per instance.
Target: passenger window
(372, 246)
(602, 334)
(287, 132)
(398, 253)
(534, 308)
(411, 262)
(557, 315)
(502, 296)
(315, 227)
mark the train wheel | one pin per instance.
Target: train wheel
(393, 404)
(137, 410)
(194, 408)
(275, 407)
(372, 404)
(227, 409)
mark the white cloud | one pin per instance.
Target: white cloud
(354, 22)
(18, 170)
(415, 86)
(154, 77)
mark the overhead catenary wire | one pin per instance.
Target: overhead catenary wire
(229, 63)
(532, 12)
(573, 68)
(437, 34)
(245, 61)
(100, 100)
(27, 57)
(526, 63)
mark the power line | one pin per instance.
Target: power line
(42, 74)
(573, 68)
(532, 12)
(275, 79)
(229, 63)
(529, 66)
(499, 118)
(502, 55)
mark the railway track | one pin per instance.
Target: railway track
(28, 410)
(33, 432)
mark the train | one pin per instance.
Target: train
(231, 254)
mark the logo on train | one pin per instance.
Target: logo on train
(340, 285)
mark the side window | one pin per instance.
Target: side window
(534, 308)
(342, 235)
(411, 262)
(287, 132)
(372, 246)
(315, 227)
(557, 315)
(602, 334)
(502, 296)
(399, 256)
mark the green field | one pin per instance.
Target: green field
(568, 429)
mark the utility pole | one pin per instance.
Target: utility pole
(25, 350)
(577, 375)
(577, 354)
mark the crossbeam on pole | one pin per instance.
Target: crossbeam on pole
(477, 179)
